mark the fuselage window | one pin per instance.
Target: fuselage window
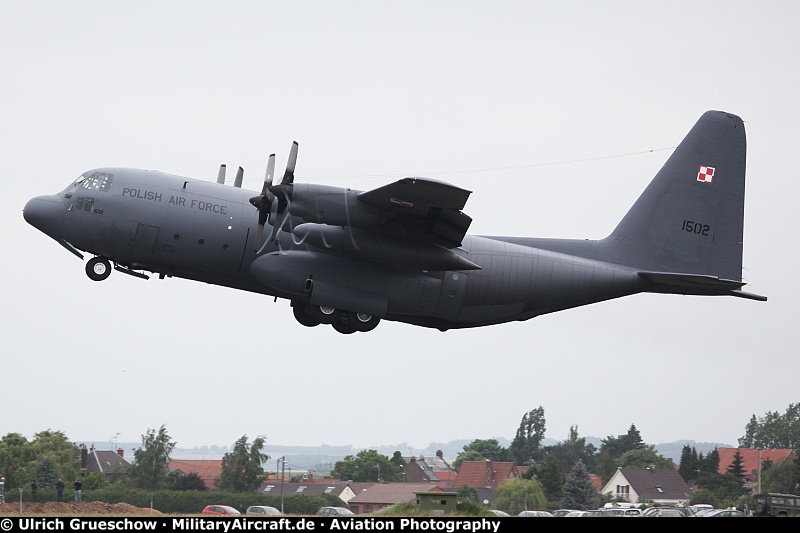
(98, 181)
(84, 203)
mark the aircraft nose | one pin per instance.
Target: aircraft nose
(46, 213)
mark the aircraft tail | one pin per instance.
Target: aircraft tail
(685, 231)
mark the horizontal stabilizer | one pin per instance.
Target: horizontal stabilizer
(698, 283)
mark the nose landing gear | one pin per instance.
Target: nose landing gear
(98, 268)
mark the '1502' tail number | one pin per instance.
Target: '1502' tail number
(696, 227)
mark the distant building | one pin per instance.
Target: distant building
(382, 495)
(640, 485)
(485, 474)
(750, 460)
(273, 487)
(428, 469)
(103, 461)
(208, 470)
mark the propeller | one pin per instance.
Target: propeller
(274, 200)
(264, 201)
(221, 175)
(239, 177)
(283, 192)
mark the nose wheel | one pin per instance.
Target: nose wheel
(98, 268)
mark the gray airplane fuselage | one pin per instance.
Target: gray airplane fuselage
(400, 252)
(204, 231)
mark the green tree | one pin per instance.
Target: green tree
(774, 430)
(468, 494)
(471, 455)
(722, 489)
(689, 467)
(616, 446)
(709, 463)
(487, 449)
(606, 466)
(16, 457)
(579, 493)
(644, 458)
(65, 455)
(183, 482)
(149, 469)
(779, 477)
(633, 439)
(528, 439)
(397, 460)
(572, 450)
(92, 481)
(45, 473)
(736, 468)
(519, 494)
(552, 479)
(241, 468)
(367, 465)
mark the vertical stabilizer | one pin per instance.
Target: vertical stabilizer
(690, 219)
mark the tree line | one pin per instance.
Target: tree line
(556, 475)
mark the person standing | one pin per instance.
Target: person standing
(60, 490)
(78, 486)
(34, 490)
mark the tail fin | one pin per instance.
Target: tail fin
(690, 219)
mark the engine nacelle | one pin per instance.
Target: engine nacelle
(373, 246)
(335, 206)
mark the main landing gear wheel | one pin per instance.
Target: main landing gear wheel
(343, 327)
(361, 321)
(301, 315)
(98, 268)
(323, 313)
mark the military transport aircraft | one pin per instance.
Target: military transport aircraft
(400, 252)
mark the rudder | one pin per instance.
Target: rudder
(690, 218)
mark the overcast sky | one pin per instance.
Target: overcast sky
(555, 114)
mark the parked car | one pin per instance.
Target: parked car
(580, 513)
(663, 511)
(726, 512)
(703, 512)
(562, 512)
(220, 509)
(610, 512)
(262, 510)
(328, 511)
(696, 508)
(535, 513)
(497, 512)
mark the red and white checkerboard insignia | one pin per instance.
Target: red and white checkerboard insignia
(705, 174)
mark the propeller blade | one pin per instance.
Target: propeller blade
(239, 177)
(269, 175)
(221, 175)
(276, 224)
(288, 176)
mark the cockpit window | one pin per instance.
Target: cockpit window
(96, 181)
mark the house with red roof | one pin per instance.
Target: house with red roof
(485, 474)
(208, 470)
(750, 459)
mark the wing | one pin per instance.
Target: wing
(422, 209)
